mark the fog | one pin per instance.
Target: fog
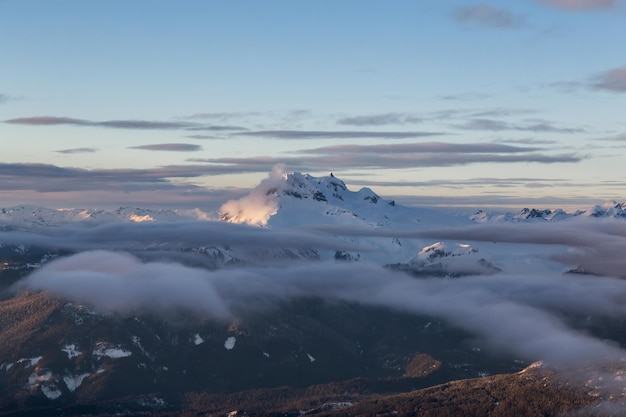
(517, 314)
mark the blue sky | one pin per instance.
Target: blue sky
(190, 103)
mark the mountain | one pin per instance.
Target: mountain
(609, 209)
(293, 347)
(295, 200)
(60, 354)
(29, 216)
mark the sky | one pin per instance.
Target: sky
(184, 104)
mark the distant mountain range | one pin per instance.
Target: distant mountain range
(296, 199)
(301, 356)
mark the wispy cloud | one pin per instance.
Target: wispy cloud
(404, 118)
(398, 156)
(531, 126)
(217, 128)
(484, 15)
(169, 147)
(469, 182)
(464, 96)
(117, 124)
(336, 134)
(613, 80)
(616, 138)
(381, 119)
(171, 186)
(330, 162)
(204, 137)
(425, 147)
(580, 5)
(528, 141)
(48, 121)
(78, 150)
(222, 115)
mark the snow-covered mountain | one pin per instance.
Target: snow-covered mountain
(609, 209)
(29, 216)
(285, 201)
(295, 199)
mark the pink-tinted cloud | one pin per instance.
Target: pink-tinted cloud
(613, 80)
(580, 5)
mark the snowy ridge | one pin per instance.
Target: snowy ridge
(295, 199)
(28, 216)
(609, 209)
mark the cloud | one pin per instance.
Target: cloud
(487, 16)
(170, 186)
(580, 5)
(48, 121)
(163, 236)
(141, 124)
(598, 244)
(515, 314)
(330, 162)
(529, 141)
(77, 150)
(340, 134)
(613, 80)
(464, 96)
(531, 126)
(398, 118)
(117, 124)
(466, 183)
(424, 147)
(223, 115)
(617, 138)
(203, 137)
(260, 204)
(381, 119)
(217, 128)
(396, 156)
(169, 147)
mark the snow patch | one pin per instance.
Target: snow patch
(197, 339)
(30, 361)
(311, 358)
(72, 382)
(51, 391)
(71, 351)
(34, 378)
(229, 344)
(140, 219)
(111, 351)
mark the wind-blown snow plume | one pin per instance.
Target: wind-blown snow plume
(257, 207)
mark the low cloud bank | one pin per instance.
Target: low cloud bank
(594, 246)
(518, 314)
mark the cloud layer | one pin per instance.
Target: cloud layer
(513, 314)
(169, 147)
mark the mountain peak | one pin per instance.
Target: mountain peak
(282, 190)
